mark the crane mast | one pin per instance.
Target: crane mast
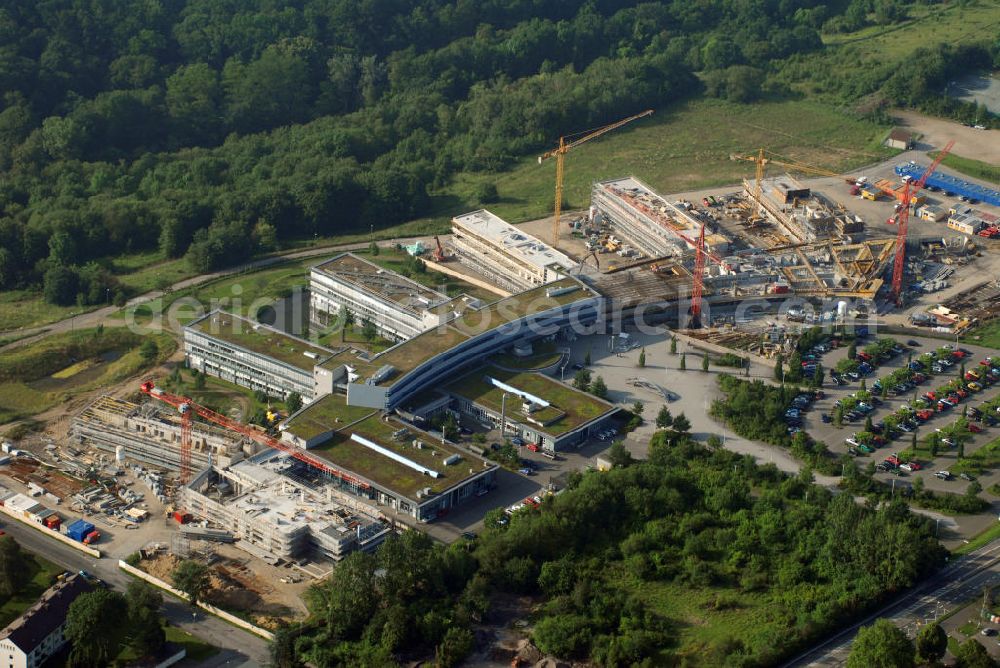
(188, 409)
(903, 223)
(560, 155)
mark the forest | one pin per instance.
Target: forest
(696, 556)
(218, 130)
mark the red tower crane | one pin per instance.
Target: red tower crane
(187, 408)
(700, 252)
(699, 277)
(903, 222)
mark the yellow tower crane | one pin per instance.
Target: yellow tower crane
(762, 161)
(560, 153)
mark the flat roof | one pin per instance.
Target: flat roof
(325, 414)
(385, 283)
(406, 356)
(630, 185)
(569, 408)
(513, 240)
(261, 339)
(390, 474)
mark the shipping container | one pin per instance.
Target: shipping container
(79, 530)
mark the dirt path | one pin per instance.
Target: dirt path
(969, 143)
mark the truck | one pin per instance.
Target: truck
(181, 517)
(83, 532)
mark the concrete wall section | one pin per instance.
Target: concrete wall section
(218, 612)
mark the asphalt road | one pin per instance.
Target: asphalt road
(237, 647)
(946, 591)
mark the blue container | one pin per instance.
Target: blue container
(951, 183)
(79, 529)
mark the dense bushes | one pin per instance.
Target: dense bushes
(701, 523)
(134, 129)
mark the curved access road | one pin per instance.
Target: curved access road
(101, 315)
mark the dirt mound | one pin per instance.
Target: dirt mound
(161, 566)
(227, 593)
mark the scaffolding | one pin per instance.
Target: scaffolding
(148, 434)
(279, 511)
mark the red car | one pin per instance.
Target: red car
(924, 414)
(930, 396)
(975, 428)
(533, 447)
(892, 459)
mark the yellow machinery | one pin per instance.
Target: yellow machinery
(560, 153)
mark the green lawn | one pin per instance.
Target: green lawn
(544, 356)
(219, 395)
(197, 649)
(37, 376)
(984, 537)
(41, 574)
(242, 293)
(977, 169)
(707, 617)
(354, 457)
(399, 262)
(679, 148)
(928, 25)
(987, 334)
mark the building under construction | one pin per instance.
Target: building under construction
(279, 509)
(508, 256)
(801, 215)
(150, 434)
(651, 223)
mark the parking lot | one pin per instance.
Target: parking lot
(835, 436)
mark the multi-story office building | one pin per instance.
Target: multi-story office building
(253, 355)
(399, 308)
(508, 256)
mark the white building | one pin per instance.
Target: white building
(276, 513)
(508, 256)
(398, 307)
(650, 222)
(31, 639)
(253, 355)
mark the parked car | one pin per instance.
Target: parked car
(967, 477)
(913, 343)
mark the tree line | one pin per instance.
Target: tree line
(699, 520)
(219, 129)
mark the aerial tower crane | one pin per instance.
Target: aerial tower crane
(560, 154)
(761, 161)
(188, 409)
(701, 252)
(903, 221)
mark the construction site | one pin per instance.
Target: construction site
(366, 452)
